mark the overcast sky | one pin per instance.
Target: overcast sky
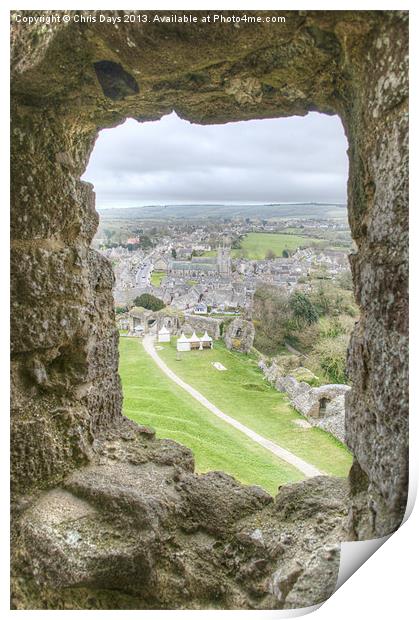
(171, 161)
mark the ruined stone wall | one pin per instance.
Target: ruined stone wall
(201, 324)
(239, 335)
(198, 533)
(307, 400)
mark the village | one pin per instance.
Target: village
(205, 270)
(190, 288)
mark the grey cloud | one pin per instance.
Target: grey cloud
(294, 159)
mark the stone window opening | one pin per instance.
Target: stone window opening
(242, 337)
(323, 406)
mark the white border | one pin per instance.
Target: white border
(386, 586)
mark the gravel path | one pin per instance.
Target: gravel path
(307, 469)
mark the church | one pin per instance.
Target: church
(203, 266)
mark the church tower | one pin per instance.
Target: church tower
(224, 260)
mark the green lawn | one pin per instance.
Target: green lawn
(156, 277)
(242, 392)
(151, 398)
(256, 245)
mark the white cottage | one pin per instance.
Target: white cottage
(200, 309)
(164, 334)
(182, 343)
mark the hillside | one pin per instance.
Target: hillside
(151, 398)
(200, 211)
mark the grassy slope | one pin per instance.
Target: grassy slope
(151, 398)
(156, 277)
(257, 244)
(243, 393)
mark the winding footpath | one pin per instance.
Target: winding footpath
(307, 469)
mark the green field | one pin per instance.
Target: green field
(156, 277)
(152, 399)
(256, 245)
(242, 392)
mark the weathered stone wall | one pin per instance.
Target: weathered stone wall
(377, 408)
(239, 335)
(64, 339)
(307, 400)
(201, 324)
(66, 414)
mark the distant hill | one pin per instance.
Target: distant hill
(200, 211)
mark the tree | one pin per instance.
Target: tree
(108, 234)
(270, 255)
(236, 243)
(271, 318)
(146, 242)
(323, 300)
(303, 309)
(174, 254)
(331, 300)
(344, 280)
(331, 355)
(150, 302)
(286, 253)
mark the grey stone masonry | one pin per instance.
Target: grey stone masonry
(323, 406)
